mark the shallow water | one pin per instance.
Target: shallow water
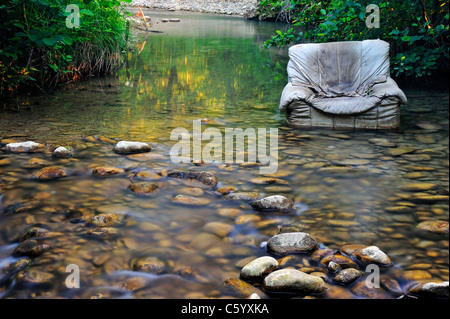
(213, 68)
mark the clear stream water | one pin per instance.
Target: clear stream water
(215, 68)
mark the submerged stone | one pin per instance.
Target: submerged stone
(240, 288)
(143, 188)
(439, 227)
(150, 264)
(203, 177)
(101, 233)
(31, 248)
(52, 172)
(107, 171)
(104, 220)
(190, 200)
(241, 196)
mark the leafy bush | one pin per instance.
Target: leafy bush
(417, 30)
(37, 48)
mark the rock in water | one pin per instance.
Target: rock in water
(430, 289)
(52, 172)
(241, 196)
(373, 255)
(62, 152)
(104, 220)
(273, 203)
(31, 248)
(150, 264)
(107, 171)
(143, 188)
(127, 147)
(347, 276)
(287, 243)
(23, 147)
(258, 268)
(203, 177)
(291, 280)
(439, 227)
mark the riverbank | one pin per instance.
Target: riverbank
(245, 8)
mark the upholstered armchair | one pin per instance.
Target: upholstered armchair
(341, 85)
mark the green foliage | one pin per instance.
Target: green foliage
(37, 47)
(417, 30)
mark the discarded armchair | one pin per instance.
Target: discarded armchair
(341, 85)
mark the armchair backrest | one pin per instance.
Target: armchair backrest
(339, 68)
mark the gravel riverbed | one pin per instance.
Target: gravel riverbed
(230, 7)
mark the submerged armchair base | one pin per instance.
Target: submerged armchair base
(384, 116)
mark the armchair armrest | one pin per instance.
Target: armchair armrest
(293, 93)
(388, 89)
